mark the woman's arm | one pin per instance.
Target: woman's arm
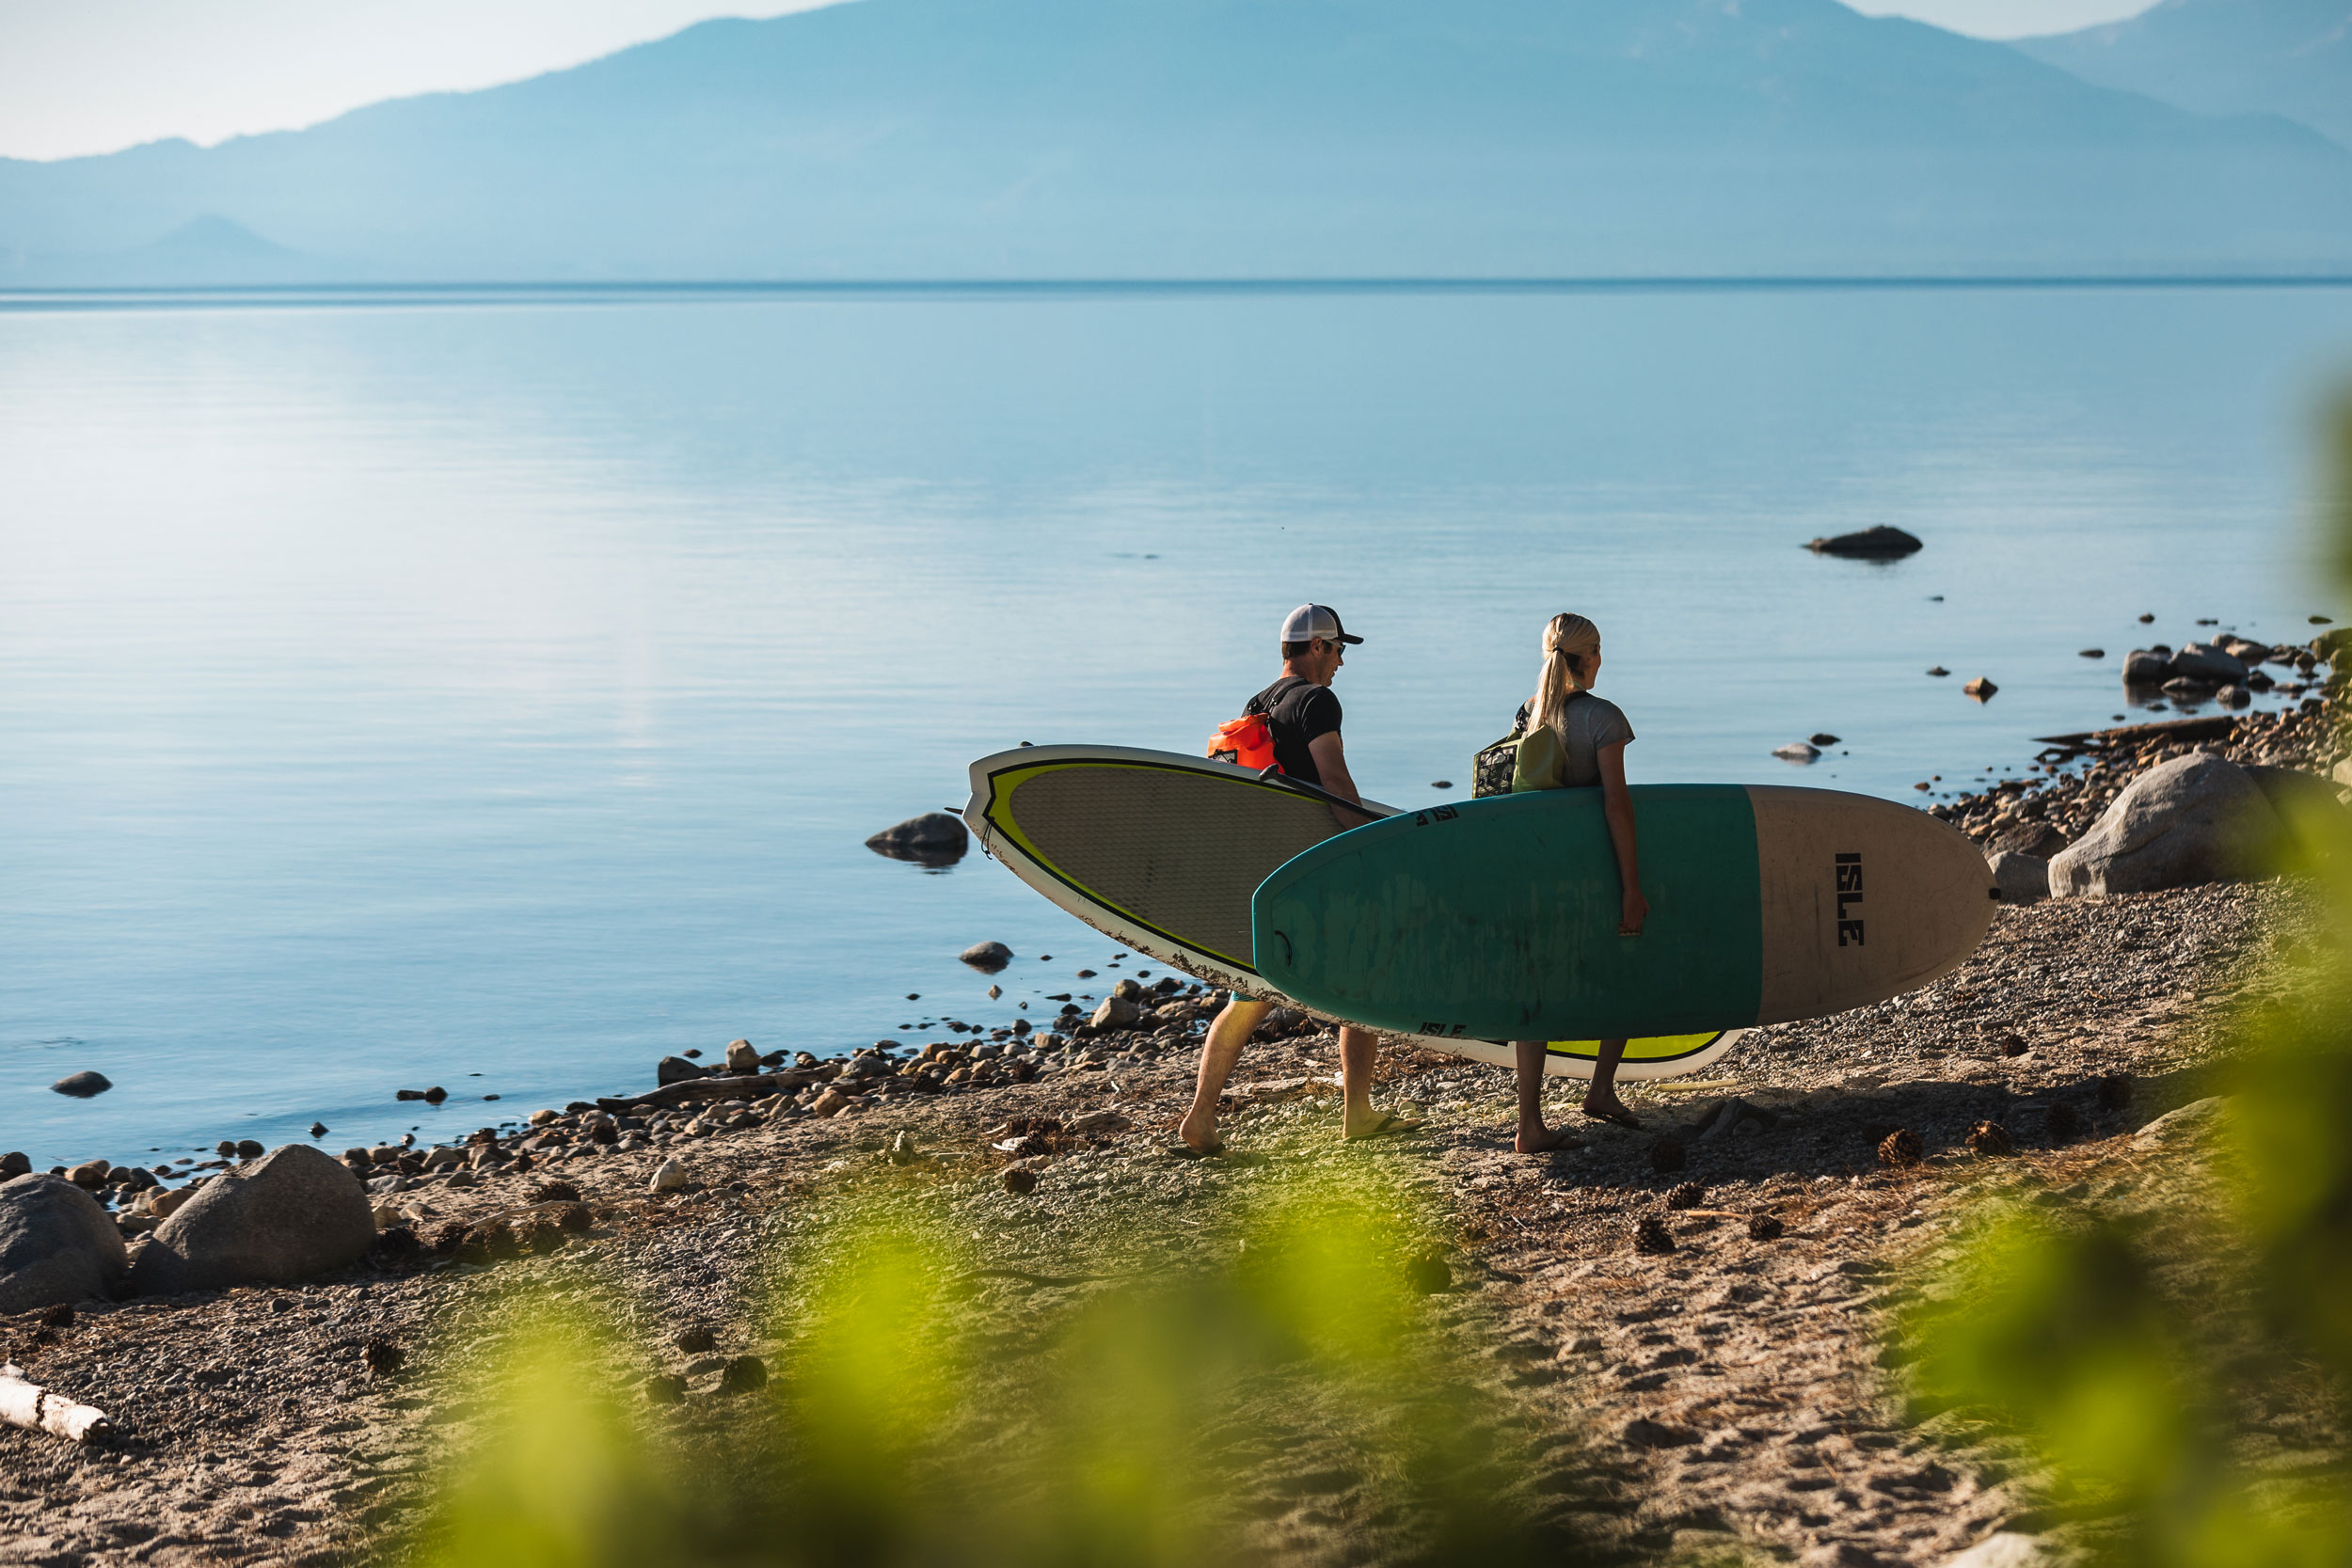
(1616, 808)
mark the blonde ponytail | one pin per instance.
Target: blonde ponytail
(1570, 644)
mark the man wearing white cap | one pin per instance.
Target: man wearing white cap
(1303, 719)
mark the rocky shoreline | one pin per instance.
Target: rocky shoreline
(1694, 1313)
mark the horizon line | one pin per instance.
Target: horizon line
(132, 295)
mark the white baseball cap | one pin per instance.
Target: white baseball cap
(1311, 620)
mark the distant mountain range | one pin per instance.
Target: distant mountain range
(1224, 138)
(2290, 58)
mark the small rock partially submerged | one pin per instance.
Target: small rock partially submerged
(934, 839)
(1881, 543)
(82, 1086)
(986, 957)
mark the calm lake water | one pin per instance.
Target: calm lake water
(497, 694)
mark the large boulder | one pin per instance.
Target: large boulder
(2144, 667)
(2197, 819)
(2019, 879)
(2308, 804)
(288, 1215)
(57, 1244)
(2291, 790)
(2025, 835)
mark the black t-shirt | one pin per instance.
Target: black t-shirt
(1297, 711)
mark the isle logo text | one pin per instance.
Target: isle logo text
(1848, 900)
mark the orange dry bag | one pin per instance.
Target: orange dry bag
(1245, 742)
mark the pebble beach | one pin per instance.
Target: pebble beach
(1678, 1333)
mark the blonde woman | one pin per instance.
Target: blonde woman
(1576, 740)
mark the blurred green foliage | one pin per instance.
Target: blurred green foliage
(1138, 1422)
(2184, 1376)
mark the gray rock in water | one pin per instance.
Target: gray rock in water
(742, 1056)
(57, 1244)
(986, 957)
(935, 838)
(2198, 818)
(2142, 667)
(14, 1163)
(676, 1069)
(288, 1215)
(2201, 662)
(81, 1085)
(2020, 878)
(1872, 543)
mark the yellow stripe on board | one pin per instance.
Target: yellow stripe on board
(1656, 1048)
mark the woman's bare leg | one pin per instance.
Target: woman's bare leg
(1535, 1137)
(1601, 1099)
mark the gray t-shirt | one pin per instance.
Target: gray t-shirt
(1570, 761)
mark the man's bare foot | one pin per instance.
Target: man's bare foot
(1543, 1140)
(1199, 1133)
(1375, 1124)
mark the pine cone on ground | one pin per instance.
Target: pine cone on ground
(1764, 1228)
(1991, 1137)
(1651, 1235)
(2115, 1091)
(1688, 1195)
(1901, 1147)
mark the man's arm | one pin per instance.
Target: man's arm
(1331, 762)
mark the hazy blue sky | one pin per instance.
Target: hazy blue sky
(93, 75)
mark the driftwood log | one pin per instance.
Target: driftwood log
(750, 1086)
(27, 1404)
(2129, 736)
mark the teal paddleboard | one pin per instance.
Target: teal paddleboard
(1498, 918)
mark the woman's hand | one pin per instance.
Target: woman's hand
(1635, 911)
